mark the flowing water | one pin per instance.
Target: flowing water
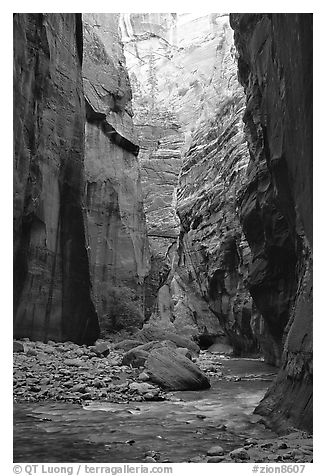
(178, 430)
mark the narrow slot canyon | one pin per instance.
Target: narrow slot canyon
(163, 237)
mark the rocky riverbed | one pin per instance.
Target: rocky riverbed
(68, 372)
(55, 382)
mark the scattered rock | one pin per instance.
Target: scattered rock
(31, 352)
(18, 346)
(150, 453)
(141, 388)
(78, 388)
(282, 446)
(143, 376)
(196, 459)
(251, 441)
(74, 363)
(102, 348)
(266, 445)
(239, 453)
(215, 451)
(201, 417)
(296, 453)
(221, 427)
(287, 455)
(215, 459)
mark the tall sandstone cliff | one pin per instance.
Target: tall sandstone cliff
(52, 297)
(275, 68)
(212, 245)
(116, 228)
(180, 66)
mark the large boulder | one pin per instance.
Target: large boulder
(18, 346)
(173, 371)
(137, 356)
(157, 333)
(102, 349)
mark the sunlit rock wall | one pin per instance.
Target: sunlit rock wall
(171, 61)
(185, 92)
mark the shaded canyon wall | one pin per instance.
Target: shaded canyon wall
(116, 229)
(52, 296)
(275, 68)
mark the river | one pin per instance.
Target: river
(177, 430)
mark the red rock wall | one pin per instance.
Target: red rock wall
(51, 275)
(275, 68)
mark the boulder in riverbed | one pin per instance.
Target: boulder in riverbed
(141, 388)
(18, 346)
(172, 371)
(239, 453)
(215, 459)
(143, 376)
(215, 451)
(102, 349)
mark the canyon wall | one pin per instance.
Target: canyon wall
(275, 68)
(150, 48)
(117, 242)
(52, 290)
(180, 66)
(212, 244)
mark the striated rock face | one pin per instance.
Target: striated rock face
(275, 67)
(212, 245)
(51, 275)
(116, 230)
(148, 54)
(178, 64)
